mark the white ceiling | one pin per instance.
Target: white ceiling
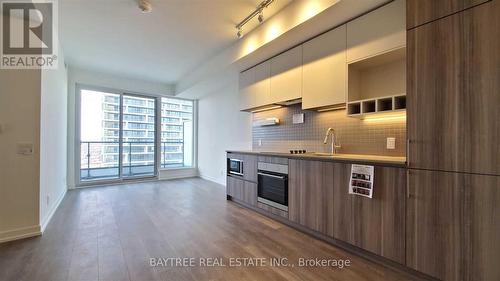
(162, 46)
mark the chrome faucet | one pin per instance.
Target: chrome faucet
(331, 132)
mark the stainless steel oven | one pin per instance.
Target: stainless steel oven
(235, 166)
(272, 188)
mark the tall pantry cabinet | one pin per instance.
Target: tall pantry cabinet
(453, 82)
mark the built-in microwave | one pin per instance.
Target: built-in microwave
(235, 166)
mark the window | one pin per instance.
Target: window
(176, 133)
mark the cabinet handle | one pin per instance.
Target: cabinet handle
(408, 195)
(408, 152)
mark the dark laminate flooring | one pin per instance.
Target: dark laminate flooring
(110, 233)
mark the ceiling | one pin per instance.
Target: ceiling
(114, 36)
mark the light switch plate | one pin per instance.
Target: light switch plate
(24, 148)
(298, 118)
(391, 143)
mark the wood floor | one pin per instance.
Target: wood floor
(110, 233)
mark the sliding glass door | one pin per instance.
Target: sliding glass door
(138, 135)
(117, 136)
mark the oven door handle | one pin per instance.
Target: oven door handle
(270, 175)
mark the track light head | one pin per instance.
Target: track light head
(261, 16)
(145, 6)
(239, 33)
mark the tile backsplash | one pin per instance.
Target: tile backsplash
(354, 135)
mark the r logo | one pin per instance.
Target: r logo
(27, 28)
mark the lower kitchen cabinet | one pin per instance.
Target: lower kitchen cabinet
(310, 195)
(453, 229)
(375, 224)
(242, 190)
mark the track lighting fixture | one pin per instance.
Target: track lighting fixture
(259, 12)
(145, 6)
(261, 16)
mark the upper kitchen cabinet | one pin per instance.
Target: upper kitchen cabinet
(423, 11)
(255, 86)
(453, 98)
(286, 76)
(377, 32)
(324, 70)
(246, 80)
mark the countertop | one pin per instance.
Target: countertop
(349, 158)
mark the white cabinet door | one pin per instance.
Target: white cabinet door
(261, 88)
(324, 70)
(286, 75)
(246, 80)
(377, 32)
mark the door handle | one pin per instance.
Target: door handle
(272, 176)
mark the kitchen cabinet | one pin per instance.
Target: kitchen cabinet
(452, 225)
(324, 70)
(247, 97)
(310, 194)
(286, 75)
(255, 86)
(423, 11)
(242, 190)
(377, 32)
(452, 100)
(375, 224)
(249, 165)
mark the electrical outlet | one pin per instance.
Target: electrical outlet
(391, 143)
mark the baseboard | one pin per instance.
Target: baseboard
(20, 233)
(171, 174)
(47, 219)
(209, 178)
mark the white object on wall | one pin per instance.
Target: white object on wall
(391, 143)
(298, 118)
(24, 148)
(266, 122)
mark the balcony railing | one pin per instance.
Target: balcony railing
(100, 159)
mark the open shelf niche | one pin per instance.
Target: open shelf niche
(377, 84)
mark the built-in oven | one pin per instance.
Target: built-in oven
(272, 188)
(235, 166)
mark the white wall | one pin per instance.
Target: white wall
(221, 126)
(53, 139)
(104, 80)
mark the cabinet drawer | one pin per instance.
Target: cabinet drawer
(242, 190)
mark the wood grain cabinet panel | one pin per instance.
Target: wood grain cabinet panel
(423, 11)
(377, 32)
(452, 225)
(453, 82)
(310, 194)
(375, 224)
(324, 70)
(286, 75)
(242, 190)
